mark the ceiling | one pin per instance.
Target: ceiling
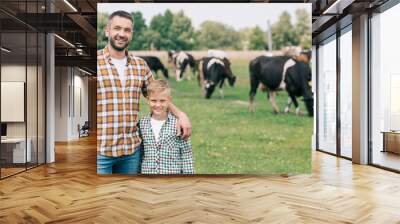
(75, 43)
(75, 22)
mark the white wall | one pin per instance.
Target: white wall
(69, 85)
(14, 73)
(327, 96)
(50, 93)
(79, 117)
(62, 81)
(34, 124)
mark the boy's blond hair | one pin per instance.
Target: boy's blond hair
(158, 86)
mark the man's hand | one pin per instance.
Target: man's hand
(184, 127)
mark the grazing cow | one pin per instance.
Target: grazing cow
(217, 53)
(180, 60)
(213, 71)
(281, 73)
(155, 64)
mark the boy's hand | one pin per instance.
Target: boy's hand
(184, 127)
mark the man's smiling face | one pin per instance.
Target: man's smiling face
(119, 32)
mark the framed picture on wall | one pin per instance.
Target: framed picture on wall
(204, 63)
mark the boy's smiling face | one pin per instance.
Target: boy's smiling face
(158, 102)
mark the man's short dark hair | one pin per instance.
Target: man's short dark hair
(306, 53)
(120, 13)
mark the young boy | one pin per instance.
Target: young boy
(164, 151)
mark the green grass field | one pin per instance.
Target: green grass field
(227, 139)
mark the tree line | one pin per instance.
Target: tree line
(175, 31)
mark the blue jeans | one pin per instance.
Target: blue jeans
(122, 165)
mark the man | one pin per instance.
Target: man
(304, 56)
(120, 79)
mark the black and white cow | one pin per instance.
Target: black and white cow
(155, 64)
(213, 71)
(181, 60)
(281, 73)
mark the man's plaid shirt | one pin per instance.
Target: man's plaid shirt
(170, 155)
(117, 107)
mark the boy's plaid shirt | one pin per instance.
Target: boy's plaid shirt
(118, 108)
(170, 155)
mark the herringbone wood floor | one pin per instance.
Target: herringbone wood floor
(70, 191)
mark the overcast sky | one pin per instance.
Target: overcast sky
(238, 15)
